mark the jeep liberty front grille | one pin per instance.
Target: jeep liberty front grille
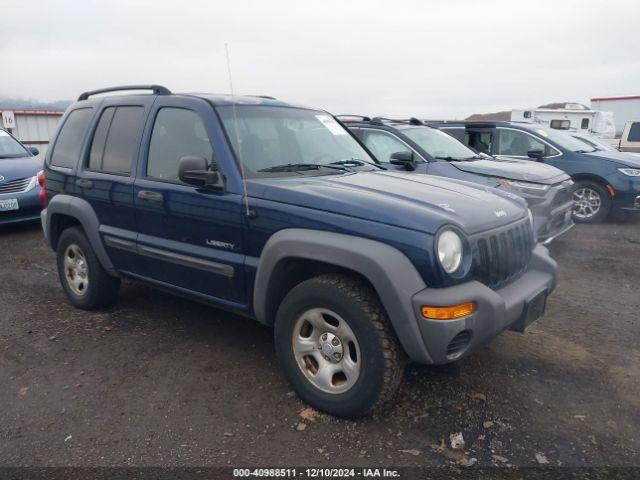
(501, 255)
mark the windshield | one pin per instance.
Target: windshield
(597, 144)
(565, 140)
(439, 144)
(285, 140)
(10, 147)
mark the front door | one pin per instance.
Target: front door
(189, 238)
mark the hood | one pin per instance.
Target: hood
(417, 202)
(514, 169)
(623, 158)
(23, 167)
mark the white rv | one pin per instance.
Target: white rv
(574, 117)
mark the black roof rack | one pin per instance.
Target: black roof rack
(268, 97)
(412, 120)
(157, 90)
(361, 117)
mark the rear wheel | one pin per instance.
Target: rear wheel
(591, 202)
(87, 285)
(336, 347)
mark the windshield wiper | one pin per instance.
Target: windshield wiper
(356, 162)
(458, 159)
(295, 167)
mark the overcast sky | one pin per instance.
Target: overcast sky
(435, 59)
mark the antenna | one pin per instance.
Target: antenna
(238, 141)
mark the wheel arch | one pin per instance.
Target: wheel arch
(579, 177)
(294, 255)
(65, 211)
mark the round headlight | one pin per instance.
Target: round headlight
(450, 251)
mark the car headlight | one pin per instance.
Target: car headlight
(450, 250)
(519, 184)
(631, 172)
(32, 184)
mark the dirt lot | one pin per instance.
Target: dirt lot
(162, 381)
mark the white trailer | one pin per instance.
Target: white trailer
(624, 110)
(573, 117)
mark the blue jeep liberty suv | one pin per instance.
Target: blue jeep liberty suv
(278, 213)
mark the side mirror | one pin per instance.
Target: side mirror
(34, 151)
(404, 159)
(195, 171)
(537, 155)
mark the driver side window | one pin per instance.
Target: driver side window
(516, 144)
(383, 144)
(176, 133)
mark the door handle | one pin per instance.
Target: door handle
(83, 183)
(150, 196)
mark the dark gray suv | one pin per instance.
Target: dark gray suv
(411, 145)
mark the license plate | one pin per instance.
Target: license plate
(10, 204)
(533, 311)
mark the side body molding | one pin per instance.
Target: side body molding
(391, 273)
(82, 211)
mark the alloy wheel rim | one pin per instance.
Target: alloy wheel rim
(586, 202)
(326, 350)
(76, 271)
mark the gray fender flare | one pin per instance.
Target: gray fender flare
(391, 273)
(82, 211)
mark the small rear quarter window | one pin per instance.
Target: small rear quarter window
(66, 150)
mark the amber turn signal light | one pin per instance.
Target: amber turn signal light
(449, 313)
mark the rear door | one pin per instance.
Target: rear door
(106, 175)
(189, 238)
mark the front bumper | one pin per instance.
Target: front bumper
(29, 207)
(627, 192)
(497, 310)
(552, 212)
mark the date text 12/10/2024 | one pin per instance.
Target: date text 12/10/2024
(315, 473)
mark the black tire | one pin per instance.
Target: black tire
(101, 288)
(381, 362)
(605, 201)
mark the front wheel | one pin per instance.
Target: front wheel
(336, 347)
(591, 202)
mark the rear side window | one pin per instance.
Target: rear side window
(560, 124)
(116, 139)
(177, 133)
(66, 150)
(634, 132)
(479, 141)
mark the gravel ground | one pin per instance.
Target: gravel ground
(159, 380)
